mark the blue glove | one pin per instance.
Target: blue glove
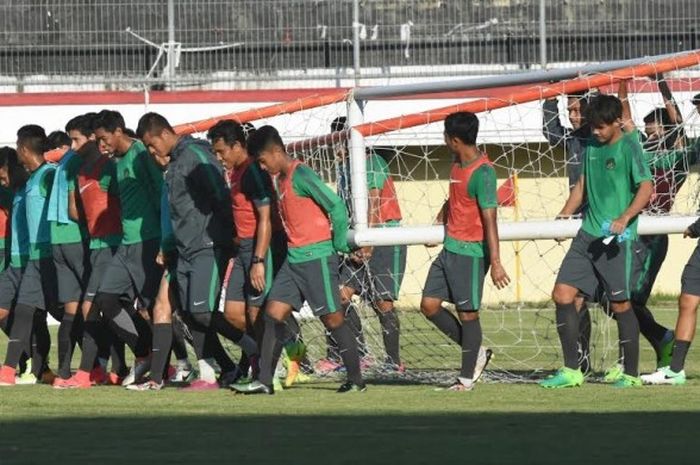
(605, 230)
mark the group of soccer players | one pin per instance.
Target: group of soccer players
(132, 239)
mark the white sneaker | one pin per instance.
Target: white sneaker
(137, 372)
(482, 360)
(183, 374)
(145, 386)
(664, 375)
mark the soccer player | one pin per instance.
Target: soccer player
(256, 224)
(575, 141)
(617, 185)
(379, 270)
(202, 223)
(471, 247)
(70, 252)
(12, 180)
(37, 289)
(310, 272)
(132, 271)
(6, 195)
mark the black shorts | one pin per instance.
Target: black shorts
(99, 262)
(239, 288)
(381, 275)
(72, 270)
(458, 279)
(690, 279)
(199, 280)
(316, 281)
(590, 263)
(9, 285)
(133, 271)
(38, 286)
(649, 255)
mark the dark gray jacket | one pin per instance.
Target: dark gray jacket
(199, 199)
(575, 142)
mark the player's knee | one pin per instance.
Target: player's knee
(333, 320)
(162, 314)
(384, 306)
(429, 307)
(562, 295)
(469, 316)
(278, 311)
(688, 303)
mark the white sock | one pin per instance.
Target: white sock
(206, 371)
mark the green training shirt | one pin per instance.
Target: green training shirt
(612, 176)
(69, 233)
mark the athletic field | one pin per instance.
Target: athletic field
(391, 423)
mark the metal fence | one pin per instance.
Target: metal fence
(186, 43)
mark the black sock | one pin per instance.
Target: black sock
(65, 345)
(20, 334)
(448, 324)
(391, 327)
(162, 339)
(650, 329)
(584, 338)
(91, 336)
(628, 329)
(680, 350)
(471, 341)
(117, 354)
(268, 353)
(567, 327)
(41, 344)
(347, 344)
(331, 348)
(352, 319)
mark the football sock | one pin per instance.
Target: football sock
(352, 319)
(20, 334)
(65, 345)
(119, 320)
(162, 339)
(391, 328)
(628, 329)
(206, 370)
(347, 345)
(471, 341)
(179, 347)
(268, 353)
(448, 324)
(567, 327)
(41, 344)
(650, 329)
(680, 350)
(145, 335)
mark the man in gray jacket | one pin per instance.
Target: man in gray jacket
(202, 223)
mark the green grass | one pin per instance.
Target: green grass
(391, 423)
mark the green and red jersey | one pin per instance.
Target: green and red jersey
(308, 208)
(378, 177)
(472, 189)
(251, 188)
(99, 197)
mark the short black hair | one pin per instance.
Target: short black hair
(8, 159)
(229, 131)
(82, 124)
(58, 139)
(463, 125)
(696, 99)
(109, 120)
(153, 123)
(339, 124)
(262, 139)
(130, 132)
(33, 137)
(603, 109)
(660, 116)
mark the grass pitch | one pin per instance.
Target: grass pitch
(310, 424)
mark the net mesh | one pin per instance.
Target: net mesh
(518, 322)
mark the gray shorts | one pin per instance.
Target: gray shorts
(316, 281)
(239, 288)
(690, 279)
(38, 286)
(381, 275)
(458, 279)
(99, 262)
(133, 271)
(72, 270)
(589, 263)
(199, 280)
(649, 255)
(9, 285)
